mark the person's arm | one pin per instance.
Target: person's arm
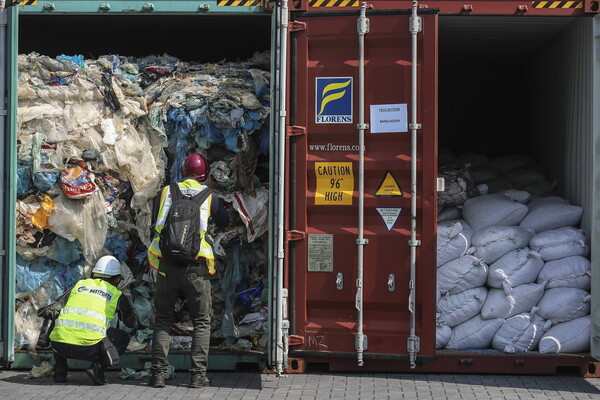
(218, 213)
(126, 312)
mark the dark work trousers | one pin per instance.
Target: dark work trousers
(63, 351)
(190, 281)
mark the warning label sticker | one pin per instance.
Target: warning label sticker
(389, 186)
(320, 252)
(335, 183)
(389, 215)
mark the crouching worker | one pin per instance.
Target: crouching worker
(82, 329)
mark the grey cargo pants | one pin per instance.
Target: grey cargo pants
(191, 282)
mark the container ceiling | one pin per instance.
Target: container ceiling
(494, 42)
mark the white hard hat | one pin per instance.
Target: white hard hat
(107, 266)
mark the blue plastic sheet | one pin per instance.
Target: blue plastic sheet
(78, 59)
(23, 179)
(45, 180)
(30, 276)
(142, 304)
(65, 251)
(117, 246)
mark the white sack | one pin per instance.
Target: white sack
(523, 298)
(464, 273)
(564, 304)
(453, 240)
(574, 272)
(515, 268)
(560, 243)
(442, 336)
(545, 216)
(568, 337)
(476, 333)
(521, 333)
(495, 241)
(493, 209)
(454, 309)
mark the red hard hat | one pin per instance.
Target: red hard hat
(195, 166)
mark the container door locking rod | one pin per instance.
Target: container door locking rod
(363, 29)
(413, 343)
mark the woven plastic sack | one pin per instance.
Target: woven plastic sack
(442, 336)
(464, 273)
(521, 333)
(564, 304)
(574, 272)
(454, 309)
(453, 240)
(495, 241)
(568, 337)
(515, 268)
(523, 298)
(448, 213)
(493, 209)
(545, 216)
(560, 243)
(476, 333)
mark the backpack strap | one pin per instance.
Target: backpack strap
(175, 192)
(201, 197)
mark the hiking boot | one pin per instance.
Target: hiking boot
(60, 375)
(157, 379)
(96, 373)
(199, 380)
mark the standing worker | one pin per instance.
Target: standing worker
(82, 329)
(184, 260)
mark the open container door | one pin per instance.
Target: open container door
(357, 291)
(595, 232)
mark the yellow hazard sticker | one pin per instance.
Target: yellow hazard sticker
(335, 183)
(389, 186)
(240, 3)
(25, 2)
(557, 4)
(334, 3)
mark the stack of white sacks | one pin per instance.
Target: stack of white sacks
(513, 275)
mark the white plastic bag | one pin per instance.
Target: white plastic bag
(574, 271)
(461, 274)
(493, 209)
(453, 240)
(560, 243)
(442, 336)
(545, 216)
(521, 333)
(564, 304)
(454, 309)
(253, 211)
(515, 268)
(476, 333)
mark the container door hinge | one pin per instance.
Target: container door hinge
(295, 340)
(294, 130)
(591, 6)
(295, 26)
(292, 235)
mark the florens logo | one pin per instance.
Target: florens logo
(333, 103)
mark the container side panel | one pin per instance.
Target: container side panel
(595, 188)
(327, 168)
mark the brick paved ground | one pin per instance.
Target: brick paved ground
(255, 386)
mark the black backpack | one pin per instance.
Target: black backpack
(180, 238)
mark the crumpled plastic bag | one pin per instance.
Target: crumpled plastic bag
(40, 371)
(130, 373)
(253, 211)
(40, 217)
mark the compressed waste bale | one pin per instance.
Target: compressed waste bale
(574, 272)
(568, 337)
(493, 242)
(453, 240)
(442, 336)
(461, 274)
(523, 298)
(521, 333)
(493, 209)
(454, 309)
(458, 187)
(563, 304)
(545, 216)
(560, 243)
(515, 268)
(476, 333)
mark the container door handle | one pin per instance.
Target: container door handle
(391, 284)
(339, 281)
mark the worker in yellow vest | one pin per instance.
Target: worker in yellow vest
(82, 330)
(184, 260)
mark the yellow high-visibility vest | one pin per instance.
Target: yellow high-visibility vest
(91, 306)
(189, 187)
